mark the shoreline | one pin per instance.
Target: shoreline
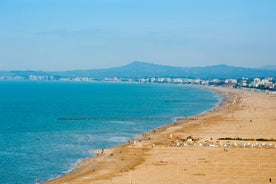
(175, 121)
(119, 162)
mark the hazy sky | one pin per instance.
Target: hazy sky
(85, 34)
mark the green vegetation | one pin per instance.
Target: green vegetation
(247, 139)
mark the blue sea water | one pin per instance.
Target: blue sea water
(46, 128)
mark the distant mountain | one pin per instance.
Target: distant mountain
(225, 71)
(139, 69)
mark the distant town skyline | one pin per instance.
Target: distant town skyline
(83, 34)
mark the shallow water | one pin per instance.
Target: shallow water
(48, 127)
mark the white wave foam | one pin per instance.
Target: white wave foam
(123, 122)
(118, 139)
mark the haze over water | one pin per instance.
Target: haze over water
(47, 127)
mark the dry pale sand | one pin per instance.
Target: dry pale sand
(152, 160)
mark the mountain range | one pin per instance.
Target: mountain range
(139, 69)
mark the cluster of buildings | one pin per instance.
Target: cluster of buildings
(264, 83)
(190, 141)
(258, 83)
(40, 77)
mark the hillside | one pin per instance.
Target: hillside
(142, 69)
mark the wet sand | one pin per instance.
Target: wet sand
(167, 156)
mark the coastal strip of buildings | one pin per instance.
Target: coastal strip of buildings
(267, 83)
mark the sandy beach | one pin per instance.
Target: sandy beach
(234, 143)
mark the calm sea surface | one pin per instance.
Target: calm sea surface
(46, 128)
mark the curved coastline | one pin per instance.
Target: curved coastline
(149, 151)
(223, 99)
(177, 120)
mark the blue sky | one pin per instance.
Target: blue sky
(86, 34)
